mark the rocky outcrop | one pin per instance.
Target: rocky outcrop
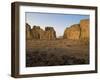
(84, 25)
(28, 31)
(72, 32)
(37, 33)
(78, 31)
(75, 32)
(50, 33)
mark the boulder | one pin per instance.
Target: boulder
(28, 31)
(72, 32)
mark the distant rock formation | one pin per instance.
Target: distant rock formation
(84, 25)
(75, 32)
(37, 33)
(50, 33)
(28, 31)
(78, 31)
(72, 32)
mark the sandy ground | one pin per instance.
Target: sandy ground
(56, 52)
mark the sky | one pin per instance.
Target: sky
(58, 21)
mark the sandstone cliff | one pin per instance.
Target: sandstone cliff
(78, 31)
(37, 33)
(50, 33)
(75, 32)
(72, 32)
(28, 31)
(84, 25)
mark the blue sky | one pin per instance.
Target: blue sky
(58, 21)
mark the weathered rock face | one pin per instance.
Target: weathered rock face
(28, 31)
(78, 31)
(37, 32)
(73, 32)
(50, 33)
(84, 25)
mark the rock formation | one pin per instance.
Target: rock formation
(84, 25)
(50, 33)
(37, 33)
(28, 31)
(72, 32)
(78, 31)
(75, 32)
